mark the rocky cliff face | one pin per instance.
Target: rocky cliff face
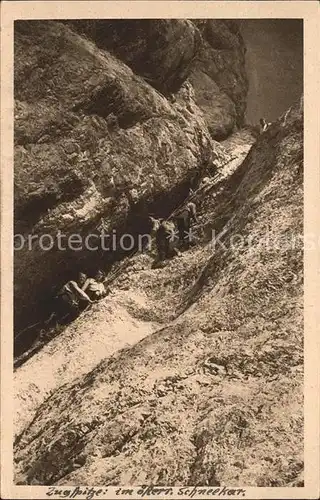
(219, 78)
(99, 139)
(214, 395)
(162, 51)
(165, 52)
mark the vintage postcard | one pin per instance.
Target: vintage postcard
(160, 250)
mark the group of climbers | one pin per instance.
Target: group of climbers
(76, 295)
(171, 235)
(164, 229)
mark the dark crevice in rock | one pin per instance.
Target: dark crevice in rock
(137, 223)
(90, 92)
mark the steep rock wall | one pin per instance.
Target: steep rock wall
(218, 76)
(88, 131)
(160, 50)
(216, 396)
(167, 51)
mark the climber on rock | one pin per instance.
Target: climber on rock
(163, 236)
(164, 232)
(94, 287)
(72, 299)
(183, 219)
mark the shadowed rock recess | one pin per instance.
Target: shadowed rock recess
(191, 374)
(93, 109)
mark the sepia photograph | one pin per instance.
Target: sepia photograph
(158, 245)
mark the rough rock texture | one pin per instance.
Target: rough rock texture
(88, 132)
(161, 50)
(214, 396)
(166, 51)
(219, 77)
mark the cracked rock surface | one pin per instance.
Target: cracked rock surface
(97, 138)
(211, 393)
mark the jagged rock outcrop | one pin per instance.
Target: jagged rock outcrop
(160, 50)
(89, 132)
(215, 396)
(167, 51)
(99, 138)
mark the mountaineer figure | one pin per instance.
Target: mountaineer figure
(183, 220)
(94, 287)
(164, 231)
(72, 299)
